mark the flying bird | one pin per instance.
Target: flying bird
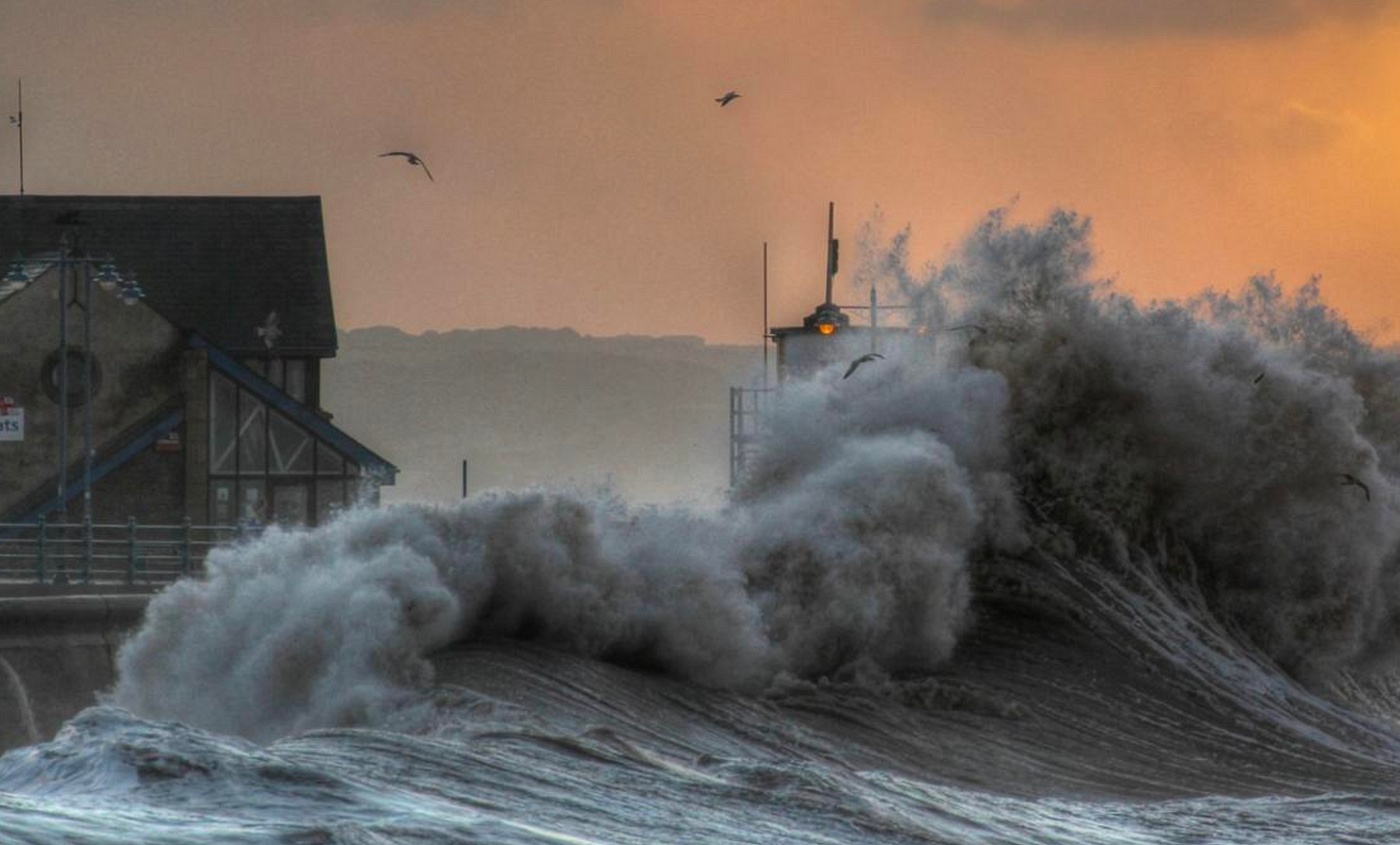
(269, 331)
(728, 98)
(1258, 378)
(864, 359)
(413, 159)
(1350, 480)
(979, 329)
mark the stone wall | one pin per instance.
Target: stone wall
(57, 652)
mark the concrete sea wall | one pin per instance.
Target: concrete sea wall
(57, 651)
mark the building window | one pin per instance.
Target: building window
(295, 379)
(290, 450)
(223, 425)
(290, 503)
(287, 374)
(252, 502)
(266, 468)
(252, 435)
(223, 509)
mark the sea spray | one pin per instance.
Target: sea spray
(302, 629)
(1227, 421)
(1061, 410)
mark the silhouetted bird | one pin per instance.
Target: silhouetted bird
(979, 329)
(1258, 378)
(414, 160)
(728, 98)
(269, 331)
(864, 359)
(1350, 480)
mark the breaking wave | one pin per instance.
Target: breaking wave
(1005, 585)
(1067, 420)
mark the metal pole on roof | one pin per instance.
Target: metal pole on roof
(18, 121)
(464, 478)
(830, 253)
(765, 315)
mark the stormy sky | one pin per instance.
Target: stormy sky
(586, 178)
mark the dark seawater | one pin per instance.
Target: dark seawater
(1081, 577)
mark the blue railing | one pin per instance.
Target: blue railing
(86, 552)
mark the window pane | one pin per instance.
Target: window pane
(252, 436)
(222, 510)
(290, 447)
(296, 379)
(330, 500)
(289, 504)
(328, 462)
(252, 502)
(274, 371)
(223, 423)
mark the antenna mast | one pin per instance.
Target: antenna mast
(765, 315)
(18, 121)
(830, 250)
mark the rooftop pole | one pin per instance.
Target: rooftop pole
(18, 121)
(830, 255)
(765, 315)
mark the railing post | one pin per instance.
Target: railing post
(185, 547)
(43, 548)
(87, 548)
(130, 549)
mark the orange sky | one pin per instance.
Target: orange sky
(585, 177)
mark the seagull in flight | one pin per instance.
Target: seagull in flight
(412, 159)
(864, 359)
(1259, 378)
(1350, 480)
(974, 326)
(728, 98)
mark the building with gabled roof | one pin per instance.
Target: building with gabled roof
(204, 395)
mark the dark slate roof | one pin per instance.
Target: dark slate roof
(214, 265)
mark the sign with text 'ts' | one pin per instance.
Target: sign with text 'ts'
(11, 420)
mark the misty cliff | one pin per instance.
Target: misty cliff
(539, 406)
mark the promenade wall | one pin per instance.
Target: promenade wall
(58, 650)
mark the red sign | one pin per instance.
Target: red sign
(7, 404)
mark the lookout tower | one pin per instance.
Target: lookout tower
(826, 337)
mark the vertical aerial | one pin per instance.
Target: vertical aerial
(766, 334)
(830, 248)
(18, 120)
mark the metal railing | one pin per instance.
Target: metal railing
(87, 552)
(749, 412)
